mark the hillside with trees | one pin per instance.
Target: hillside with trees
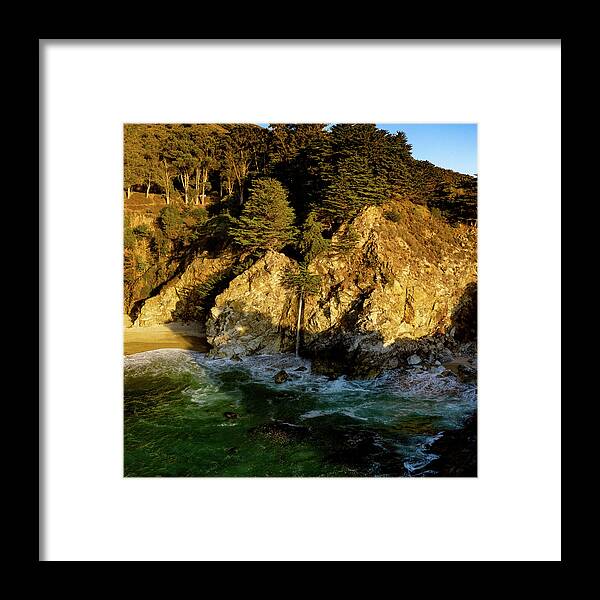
(244, 190)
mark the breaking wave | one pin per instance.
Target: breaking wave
(406, 409)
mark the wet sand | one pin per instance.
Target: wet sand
(171, 335)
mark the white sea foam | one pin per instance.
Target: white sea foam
(423, 385)
(388, 399)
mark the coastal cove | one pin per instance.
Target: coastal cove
(187, 414)
(300, 300)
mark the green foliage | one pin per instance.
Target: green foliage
(301, 280)
(219, 226)
(336, 170)
(267, 219)
(265, 182)
(393, 215)
(142, 231)
(140, 264)
(170, 221)
(160, 245)
(354, 186)
(455, 199)
(128, 238)
(194, 222)
(196, 216)
(311, 241)
(140, 158)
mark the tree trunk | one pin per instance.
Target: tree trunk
(166, 182)
(148, 189)
(204, 180)
(241, 192)
(197, 186)
(185, 183)
(298, 326)
(128, 192)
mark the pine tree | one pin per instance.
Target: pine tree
(267, 219)
(353, 187)
(311, 241)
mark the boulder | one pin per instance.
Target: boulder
(413, 359)
(281, 376)
(256, 314)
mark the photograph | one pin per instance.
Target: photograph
(300, 299)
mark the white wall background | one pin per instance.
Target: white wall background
(511, 511)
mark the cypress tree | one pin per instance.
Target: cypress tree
(311, 241)
(267, 219)
(352, 187)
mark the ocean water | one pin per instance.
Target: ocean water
(188, 415)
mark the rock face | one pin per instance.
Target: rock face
(161, 308)
(391, 295)
(255, 314)
(280, 377)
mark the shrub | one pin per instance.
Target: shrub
(197, 215)
(301, 280)
(128, 238)
(142, 231)
(311, 241)
(170, 221)
(160, 245)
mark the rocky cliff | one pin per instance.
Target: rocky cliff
(172, 299)
(394, 291)
(256, 313)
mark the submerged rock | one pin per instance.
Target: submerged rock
(281, 432)
(281, 376)
(457, 452)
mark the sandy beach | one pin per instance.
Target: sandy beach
(170, 335)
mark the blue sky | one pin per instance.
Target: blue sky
(449, 145)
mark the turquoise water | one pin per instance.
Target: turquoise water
(187, 415)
